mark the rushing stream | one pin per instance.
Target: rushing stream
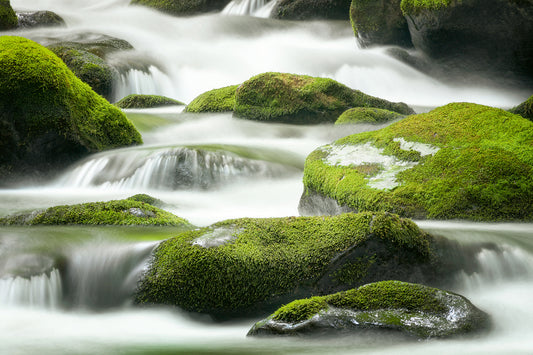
(67, 290)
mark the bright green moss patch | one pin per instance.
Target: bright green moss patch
(131, 211)
(244, 266)
(413, 309)
(291, 98)
(367, 115)
(217, 100)
(146, 101)
(414, 7)
(8, 18)
(49, 116)
(468, 161)
(525, 109)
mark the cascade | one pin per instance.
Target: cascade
(38, 291)
(258, 8)
(146, 82)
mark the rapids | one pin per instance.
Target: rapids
(67, 290)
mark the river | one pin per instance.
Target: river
(210, 167)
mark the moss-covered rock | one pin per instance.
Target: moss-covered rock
(458, 161)
(245, 267)
(525, 109)
(475, 36)
(8, 18)
(131, 211)
(367, 115)
(39, 19)
(146, 101)
(48, 117)
(183, 7)
(216, 100)
(311, 10)
(379, 22)
(302, 99)
(415, 310)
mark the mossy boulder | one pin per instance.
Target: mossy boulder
(414, 310)
(131, 211)
(461, 160)
(39, 19)
(146, 101)
(525, 109)
(379, 22)
(48, 117)
(302, 99)
(183, 7)
(244, 267)
(8, 18)
(217, 100)
(311, 10)
(367, 115)
(475, 36)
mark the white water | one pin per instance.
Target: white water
(88, 312)
(257, 8)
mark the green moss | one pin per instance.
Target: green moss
(525, 109)
(41, 97)
(183, 7)
(131, 211)
(8, 18)
(294, 98)
(481, 172)
(217, 100)
(414, 7)
(257, 262)
(146, 199)
(300, 310)
(146, 101)
(367, 115)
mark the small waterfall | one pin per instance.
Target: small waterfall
(39, 291)
(151, 81)
(168, 169)
(257, 8)
(103, 275)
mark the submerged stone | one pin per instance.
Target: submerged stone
(131, 211)
(458, 161)
(302, 99)
(415, 310)
(39, 19)
(247, 266)
(146, 101)
(48, 117)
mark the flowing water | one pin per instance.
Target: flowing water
(67, 290)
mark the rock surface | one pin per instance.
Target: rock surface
(146, 101)
(311, 10)
(183, 7)
(367, 115)
(216, 100)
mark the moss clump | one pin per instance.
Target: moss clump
(8, 18)
(367, 115)
(183, 7)
(245, 266)
(146, 199)
(525, 109)
(291, 98)
(217, 100)
(413, 309)
(479, 166)
(414, 7)
(48, 117)
(146, 101)
(130, 211)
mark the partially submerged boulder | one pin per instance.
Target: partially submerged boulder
(48, 117)
(311, 10)
(39, 19)
(379, 22)
(131, 211)
(461, 160)
(8, 18)
(146, 101)
(244, 267)
(525, 109)
(367, 115)
(412, 309)
(302, 99)
(183, 7)
(216, 100)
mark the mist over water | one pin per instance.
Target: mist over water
(66, 289)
